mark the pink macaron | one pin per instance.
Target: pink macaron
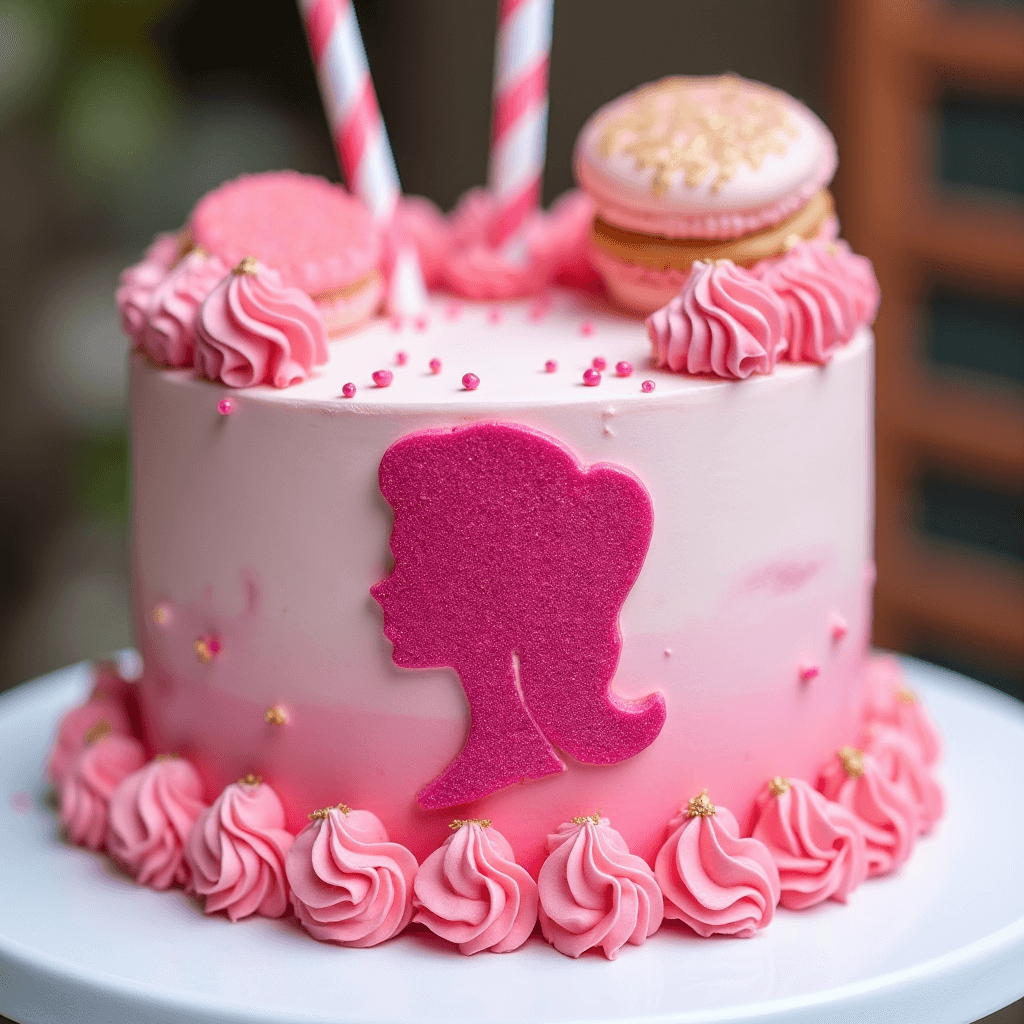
(700, 168)
(313, 233)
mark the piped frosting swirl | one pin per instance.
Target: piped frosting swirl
(594, 893)
(138, 281)
(724, 321)
(902, 761)
(349, 883)
(237, 850)
(252, 329)
(151, 815)
(892, 702)
(75, 726)
(472, 892)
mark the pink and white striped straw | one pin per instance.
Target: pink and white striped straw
(520, 116)
(360, 139)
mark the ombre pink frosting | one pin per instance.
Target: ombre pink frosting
(901, 759)
(138, 281)
(72, 730)
(724, 321)
(886, 813)
(818, 846)
(96, 772)
(151, 815)
(253, 329)
(594, 893)
(237, 850)
(891, 702)
(472, 892)
(713, 880)
(169, 334)
(827, 293)
(349, 884)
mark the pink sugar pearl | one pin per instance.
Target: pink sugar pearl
(494, 315)
(348, 390)
(623, 369)
(470, 381)
(435, 365)
(225, 407)
(586, 328)
(453, 310)
(401, 358)
(421, 323)
(550, 366)
(383, 378)
(599, 362)
(647, 386)
(396, 322)
(591, 377)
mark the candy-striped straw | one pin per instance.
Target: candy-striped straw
(360, 138)
(520, 116)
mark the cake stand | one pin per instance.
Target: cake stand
(943, 941)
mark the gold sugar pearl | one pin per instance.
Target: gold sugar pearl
(250, 780)
(99, 730)
(905, 696)
(779, 785)
(276, 715)
(459, 822)
(583, 819)
(700, 806)
(161, 615)
(248, 265)
(852, 761)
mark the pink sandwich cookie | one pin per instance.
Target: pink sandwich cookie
(313, 233)
(693, 168)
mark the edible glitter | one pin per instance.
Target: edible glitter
(435, 365)
(623, 368)
(459, 822)
(382, 378)
(647, 387)
(225, 407)
(700, 806)
(401, 358)
(591, 377)
(852, 761)
(779, 785)
(550, 366)
(470, 381)
(276, 715)
(348, 390)
(585, 819)
(248, 265)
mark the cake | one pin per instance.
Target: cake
(569, 609)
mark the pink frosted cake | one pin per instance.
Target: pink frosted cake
(571, 611)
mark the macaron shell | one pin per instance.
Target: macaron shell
(693, 157)
(317, 236)
(345, 312)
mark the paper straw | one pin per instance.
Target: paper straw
(520, 115)
(360, 139)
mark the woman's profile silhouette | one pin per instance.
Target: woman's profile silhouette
(512, 562)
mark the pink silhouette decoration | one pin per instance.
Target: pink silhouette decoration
(512, 562)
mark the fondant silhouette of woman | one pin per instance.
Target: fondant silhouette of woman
(512, 562)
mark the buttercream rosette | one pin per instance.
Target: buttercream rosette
(891, 702)
(902, 761)
(712, 879)
(236, 851)
(253, 329)
(100, 767)
(827, 293)
(856, 780)
(349, 883)
(169, 334)
(817, 845)
(138, 281)
(594, 893)
(102, 714)
(472, 892)
(724, 321)
(151, 815)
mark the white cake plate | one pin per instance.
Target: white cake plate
(941, 942)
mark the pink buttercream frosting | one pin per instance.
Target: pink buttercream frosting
(827, 293)
(594, 892)
(724, 321)
(901, 759)
(818, 846)
(473, 893)
(237, 851)
(151, 814)
(75, 726)
(856, 780)
(138, 281)
(96, 772)
(713, 880)
(349, 884)
(892, 702)
(170, 331)
(253, 329)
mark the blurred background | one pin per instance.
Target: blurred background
(116, 116)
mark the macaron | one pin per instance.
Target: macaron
(700, 168)
(313, 233)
